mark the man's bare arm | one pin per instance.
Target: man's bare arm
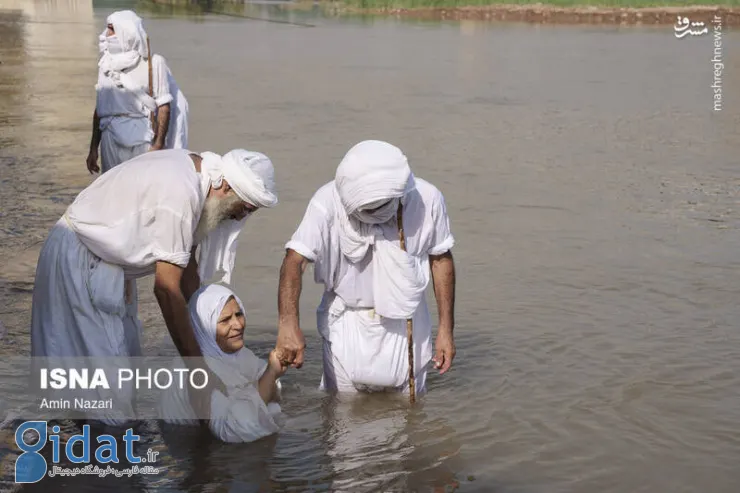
(291, 282)
(190, 282)
(290, 337)
(92, 156)
(443, 275)
(163, 125)
(96, 134)
(167, 290)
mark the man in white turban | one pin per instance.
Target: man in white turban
(171, 213)
(350, 233)
(139, 106)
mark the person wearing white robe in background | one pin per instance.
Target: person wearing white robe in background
(249, 411)
(350, 233)
(171, 213)
(122, 121)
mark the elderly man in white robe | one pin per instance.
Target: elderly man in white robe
(350, 233)
(171, 213)
(139, 107)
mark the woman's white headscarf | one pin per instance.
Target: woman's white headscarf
(373, 173)
(242, 416)
(252, 176)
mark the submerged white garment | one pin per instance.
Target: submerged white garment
(372, 339)
(252, 176)
(242, 415)
(363, 351)
(78, 308)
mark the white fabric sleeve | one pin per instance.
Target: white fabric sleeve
(442, 239)
(312, 235)
(161, 86)
(173, 236)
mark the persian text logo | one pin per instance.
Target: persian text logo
(31, 466)
(685, 27)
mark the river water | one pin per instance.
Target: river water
(593, 193)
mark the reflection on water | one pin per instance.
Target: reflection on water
(592, 191)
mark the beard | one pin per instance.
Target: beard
(215, 211)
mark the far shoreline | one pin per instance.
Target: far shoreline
(550, 14)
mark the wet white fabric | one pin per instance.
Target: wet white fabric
(79, 309)
(371, 172)
(363, 351)
(242, 415)
(123, 102)
(353, 333)
(252, 176)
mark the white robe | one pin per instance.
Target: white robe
(124, 109)
(242, 415)
(361, 349)
(78, 306)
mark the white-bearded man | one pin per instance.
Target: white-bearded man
(371, 285)
(172, 213)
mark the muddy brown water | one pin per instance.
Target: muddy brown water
(593, 193)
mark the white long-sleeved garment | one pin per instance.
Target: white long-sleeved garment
(362, 349)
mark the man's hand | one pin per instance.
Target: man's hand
(291, 344)
(92, 162)
(444, 351)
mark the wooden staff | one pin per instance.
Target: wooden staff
(151, 85)
(409, 321)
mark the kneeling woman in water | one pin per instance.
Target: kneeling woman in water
(250, 410)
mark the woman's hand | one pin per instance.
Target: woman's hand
(277, 365)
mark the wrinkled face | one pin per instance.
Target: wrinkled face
(230, 327)
(218, 208)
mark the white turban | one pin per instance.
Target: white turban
(252, 177)
(131, 45)
(250, 174)
(242, 416)
(375, 173)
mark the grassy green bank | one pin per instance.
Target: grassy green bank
(547, 11)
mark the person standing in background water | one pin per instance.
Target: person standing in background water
(139, 107)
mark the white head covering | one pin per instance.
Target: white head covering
(205, 308)
(242, 415)
(252, 176)
(127, 46)
(373, 173)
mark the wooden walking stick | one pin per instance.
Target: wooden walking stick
(151, 87)
(409, 321)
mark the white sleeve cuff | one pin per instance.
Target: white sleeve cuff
(443, 247)
(162, 100)
(301, 249)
